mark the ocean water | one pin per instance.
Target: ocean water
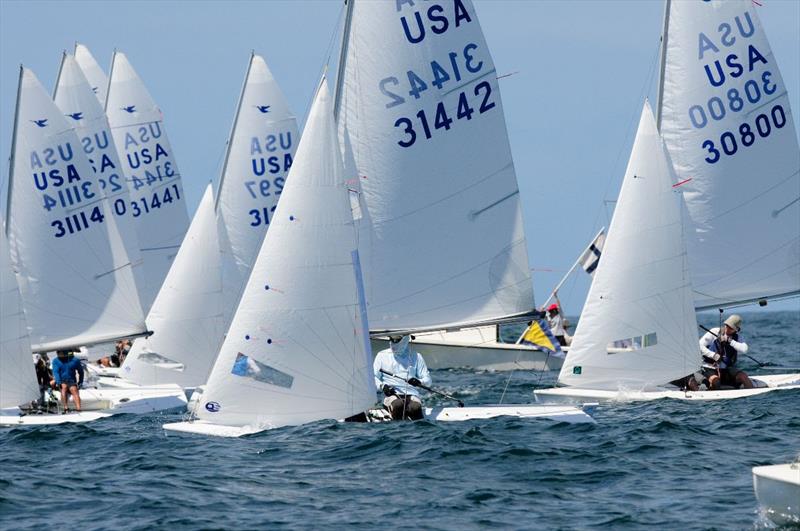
(658, 465)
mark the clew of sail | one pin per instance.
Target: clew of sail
(727, 124)
(638, 326)
(75, 277)
(157, 200)
(260, 152)
(17, 375)
(442, 238)
(186, 317)
(296, 350)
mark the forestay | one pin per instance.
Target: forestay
(420, 99)
(638, 326)
(17, 375)
(77, 102)
(157, 202)
(260, 151)
(297, 349)
(98, 81)
(726, 120)
(186, 317)
(75, 277)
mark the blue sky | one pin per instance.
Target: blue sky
(583, 69)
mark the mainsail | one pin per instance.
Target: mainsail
(73, 95)
(725, 118)
(298, 349)
(186, 317)
(638, 326)
(157, 204)
(98, 81)
(444, 244)
(17, 376)
(260, 151)
(75, 277)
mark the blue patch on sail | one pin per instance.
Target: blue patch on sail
(250, 368)
(213, 407)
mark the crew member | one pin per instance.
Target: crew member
(720, 349)
(556, 323)
(44, 376)
(68, 375)
(401, 395)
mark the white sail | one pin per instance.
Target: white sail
(726, 120)
(260, 152)
(157, 204)
(186, 317)
(421, 102)
(638, 327)
(17, 374)
(297, 349)
(98, 81)
(73, 95)
(75, 277)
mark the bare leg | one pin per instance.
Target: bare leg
(713, 382)
(64, 396)
(76, 396)
(744, 380)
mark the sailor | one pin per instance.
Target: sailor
(44, 376)
(409, 370)
(557, 327)
(68, 375)
(720, 350)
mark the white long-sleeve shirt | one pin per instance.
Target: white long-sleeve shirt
(407, 366)
(709, 356)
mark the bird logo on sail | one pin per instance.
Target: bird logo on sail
(130, 108)
(263, 108)
(94, 89)
(76, 116)
(40, 123)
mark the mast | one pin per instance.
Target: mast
(110, 77)
(233, 130)
(337, 92)
(58, 77)
(10, 185)
(663, 60)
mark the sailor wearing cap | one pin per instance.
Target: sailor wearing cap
(556, 323)
(409, 370)
(720, 348)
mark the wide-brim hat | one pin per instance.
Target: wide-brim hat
(734, 321)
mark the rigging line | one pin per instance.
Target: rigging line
(476, 213)
(776, 213)
(326, 61)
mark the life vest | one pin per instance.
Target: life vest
(728, 353)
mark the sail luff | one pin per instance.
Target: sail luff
(663, 63)
(340, 71)
(11, 157)
(233, 131)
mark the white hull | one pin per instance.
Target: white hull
(572, 415)
(777, 489)
(475, 348)
(100, 403)
(765, 384)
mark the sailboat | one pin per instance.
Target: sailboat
(443, 240)
(75, 277)
(157, 205)
(199, 295)
(777, 489)
(297, 350)
(637, 331)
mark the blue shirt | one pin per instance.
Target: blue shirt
(407, 365)
(64, 371)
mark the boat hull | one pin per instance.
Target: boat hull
(777, 489)
(572, 395)
(475, 348)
